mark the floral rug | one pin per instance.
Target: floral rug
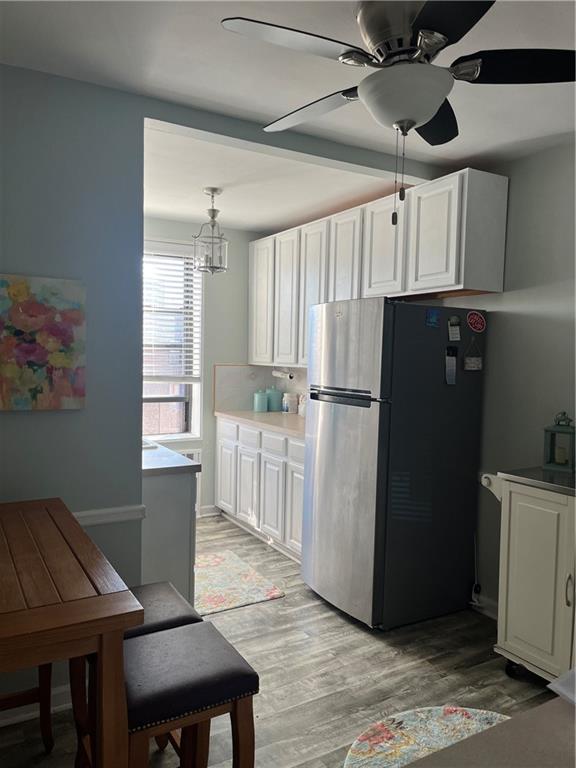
(400, 739)
(224, 581)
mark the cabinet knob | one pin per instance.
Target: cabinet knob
(569, 589)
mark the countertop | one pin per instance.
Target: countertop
(547, 480)
(275, 421)
(159, 460)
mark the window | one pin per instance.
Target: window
(172, 354)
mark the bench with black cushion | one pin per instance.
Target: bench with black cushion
(178, 680)
(164, 608)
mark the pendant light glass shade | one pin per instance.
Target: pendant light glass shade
(209, 246)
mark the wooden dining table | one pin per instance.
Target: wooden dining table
(60, 599)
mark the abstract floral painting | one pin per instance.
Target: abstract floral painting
(42, 343)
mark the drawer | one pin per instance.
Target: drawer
(227, 430)
(249, 437)
(274, 443)
(296, 451)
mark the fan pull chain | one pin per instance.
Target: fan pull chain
(402, 189)
(394, 213)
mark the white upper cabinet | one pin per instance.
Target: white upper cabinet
(434, 234)
(450, 236)
(456, 233)
(287, 263)
(345, 255)
(261, 302)
(383, 249)
(313, 274)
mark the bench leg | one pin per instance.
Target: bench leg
(195, 745)
(243, 742)
(162, 741)
(45, 698)
(139, 750)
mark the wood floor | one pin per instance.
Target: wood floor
(323, 677)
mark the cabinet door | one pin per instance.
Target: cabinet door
(313, 265)
(261, 302)
(383, 249)
(344, 259)
(272, 495)
(433, 250)
(287, 262)
(536, 601)
(226, 477)
(294, 507)
(248, 486)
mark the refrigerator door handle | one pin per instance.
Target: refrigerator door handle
(358, 402)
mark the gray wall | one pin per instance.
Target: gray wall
(225, 325)
(530, 359)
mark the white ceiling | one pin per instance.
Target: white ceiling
(178, 51)
(262, 192)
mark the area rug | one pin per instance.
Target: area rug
(400, 739)
(224, 581)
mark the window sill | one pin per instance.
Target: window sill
(185, 441)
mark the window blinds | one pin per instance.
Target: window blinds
(172, 314)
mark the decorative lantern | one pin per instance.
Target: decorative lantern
(210, 247)
(559, 444)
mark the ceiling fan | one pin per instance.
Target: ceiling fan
(407, 91)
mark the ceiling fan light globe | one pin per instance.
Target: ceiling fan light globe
(405, 92)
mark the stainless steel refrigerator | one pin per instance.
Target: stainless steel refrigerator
(393, 428)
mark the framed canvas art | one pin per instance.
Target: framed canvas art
(42, 343)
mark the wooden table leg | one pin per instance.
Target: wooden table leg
(112, 742)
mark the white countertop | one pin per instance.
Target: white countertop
(158, 460)
(288, 423)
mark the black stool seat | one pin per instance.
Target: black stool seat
(164, 608)
(182, 671)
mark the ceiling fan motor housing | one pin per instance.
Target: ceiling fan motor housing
(405, 92)
(386, 27)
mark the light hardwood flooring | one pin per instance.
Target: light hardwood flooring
(323, 677)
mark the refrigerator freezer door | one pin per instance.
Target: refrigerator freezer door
(340, 504)
(345, 345)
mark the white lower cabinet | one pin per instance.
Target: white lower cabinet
(248, 486)
(260, 482)
(536, 593)
(272, 491)
(294, 507)
(226, 477)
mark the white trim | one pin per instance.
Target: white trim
(488, 606)
(207, 510)
(60, 701)
(111, 515)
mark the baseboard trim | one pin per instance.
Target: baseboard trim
(109, 515)
(488, 607)
(262, 536)
(60, 702)
(207, 510)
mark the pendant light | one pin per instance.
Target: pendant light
(210, 247)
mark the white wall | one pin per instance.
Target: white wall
(225, 326)
(530, 358)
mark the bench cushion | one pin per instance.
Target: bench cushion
(164, 608)
(181, 671)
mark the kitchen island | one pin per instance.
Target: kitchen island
(169, 528)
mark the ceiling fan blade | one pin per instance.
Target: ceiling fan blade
(305, 42)
(452, 18)
(523, 65)
(442, 128)
(313, 110)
